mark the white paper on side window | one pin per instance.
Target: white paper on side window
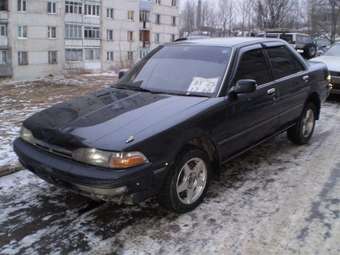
(203, 85)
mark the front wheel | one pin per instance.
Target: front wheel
(187, 182)
(303, 130)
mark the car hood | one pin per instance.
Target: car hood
(112, 112)
(333, 63)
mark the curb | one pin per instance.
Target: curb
(9, 169)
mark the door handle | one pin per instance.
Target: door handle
(271, 91)
(305, 78)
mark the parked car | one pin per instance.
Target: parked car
(303, 43)
(322, 44)
(174, 119)
(332, 59)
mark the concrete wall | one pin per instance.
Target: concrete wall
(37, 43)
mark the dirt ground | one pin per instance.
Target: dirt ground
(276, 199)
(21, 99)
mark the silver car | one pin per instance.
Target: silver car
(332, 59)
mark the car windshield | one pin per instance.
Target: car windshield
(334, 51)
(180, 69)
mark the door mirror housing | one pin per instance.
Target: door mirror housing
(244, 87)
(122, 73)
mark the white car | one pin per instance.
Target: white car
(332, 59)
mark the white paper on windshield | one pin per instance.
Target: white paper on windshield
(203, 85)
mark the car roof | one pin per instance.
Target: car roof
(230, 41)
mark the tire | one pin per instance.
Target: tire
(310, 51)
(180, 183)
(303, 130)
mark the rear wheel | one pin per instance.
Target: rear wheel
(187, 183)
(310, 51)
(303, 130)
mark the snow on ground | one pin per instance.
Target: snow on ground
(276, 199)
(113, 74)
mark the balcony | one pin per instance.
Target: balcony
(144, 38)
(6, 70)
(3, 15)
(145, 5)
(91, 43)
(5, 65)
(143, 52)
(3, 42)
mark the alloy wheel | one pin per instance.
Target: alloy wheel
(191, 181)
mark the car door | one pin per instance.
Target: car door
(254, 116)
(292, 82)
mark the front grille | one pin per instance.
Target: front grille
(53, 149)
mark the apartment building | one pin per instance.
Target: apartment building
(46, 37)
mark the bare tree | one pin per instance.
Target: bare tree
(209, 16)
(335, 13)
(273, 13)
(246, 13)
(226, 16)
(324, 17)
(188, 16)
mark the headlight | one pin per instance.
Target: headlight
(107, 159)
(329, 78)
(26, 135)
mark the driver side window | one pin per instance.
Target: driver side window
(253, 66)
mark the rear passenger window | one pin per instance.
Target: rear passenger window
(253, 66)
(283, 62)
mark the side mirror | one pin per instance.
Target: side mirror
(244, 87)
(121, 73)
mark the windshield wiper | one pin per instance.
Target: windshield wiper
(132, 86)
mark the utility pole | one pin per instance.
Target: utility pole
(199, 15)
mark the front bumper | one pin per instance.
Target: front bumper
(136, 183)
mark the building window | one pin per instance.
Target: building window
(91, 33)
(73, 54)
(109, 56)
(22, 32)
(157, 38)
(173, 38)
(22, 5)
(73, 7)
(92, 54)
(73, 32)
(51, 7)
(3, 30)
(158, 2)
(131, 15)
(52, 57)
(92, 10)
(173, 2)
(3, 57)
(22, 58)
(158, 19)
(4, 5)
(109, 35)
(130, 36)
(173, 19)
(144, 16)
(52, 32)
(110, 13)
(130, 55)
